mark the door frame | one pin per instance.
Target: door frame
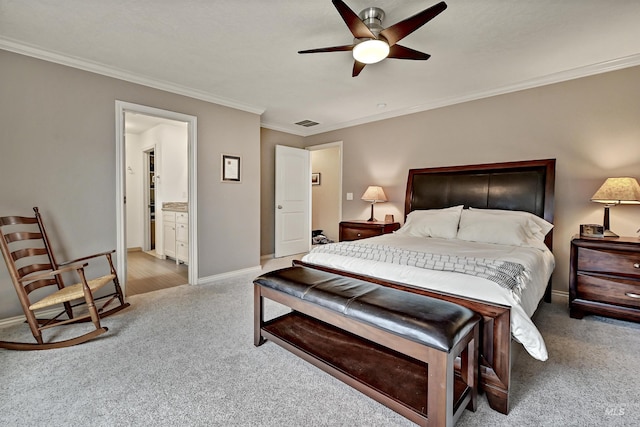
(121, 240)
(146, 234)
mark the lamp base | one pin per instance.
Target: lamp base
(605, 223)
(372, 219)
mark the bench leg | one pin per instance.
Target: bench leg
(441, 367)
(258, 316)
(470, 375)
(439, 389)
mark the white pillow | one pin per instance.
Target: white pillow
(441, 223)
(543, 229)
(513, 230)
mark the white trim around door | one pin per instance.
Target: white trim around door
(121, 242)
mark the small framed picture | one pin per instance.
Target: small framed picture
(591, 230)
(230, 168)
(315, 179)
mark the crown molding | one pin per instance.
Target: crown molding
(575, 73)
(94, 67)
(289, 129)
(572, 74)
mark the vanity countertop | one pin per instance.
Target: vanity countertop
(174, 206)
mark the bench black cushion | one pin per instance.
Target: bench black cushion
(429, 321)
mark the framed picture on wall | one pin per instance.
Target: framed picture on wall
(315, 179)
(230, 168)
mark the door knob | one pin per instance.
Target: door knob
(279, 206)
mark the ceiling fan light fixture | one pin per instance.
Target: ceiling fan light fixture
(372, 42)
(371, 51)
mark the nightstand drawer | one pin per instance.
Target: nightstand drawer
(612, 290)
(360, 233)
(356, 230)
(609, 261)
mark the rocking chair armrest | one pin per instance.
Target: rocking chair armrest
(49, 274)
(87, 257)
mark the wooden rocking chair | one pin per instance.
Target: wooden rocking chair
(32, 266)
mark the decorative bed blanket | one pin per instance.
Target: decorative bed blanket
(507, 274)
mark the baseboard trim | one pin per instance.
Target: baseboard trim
(560, 296)
(10, 321)
(251, 271)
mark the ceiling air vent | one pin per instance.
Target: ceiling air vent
(307, 123)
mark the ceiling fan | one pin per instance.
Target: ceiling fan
(372, 43)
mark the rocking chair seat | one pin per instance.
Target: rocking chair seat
(71, 292)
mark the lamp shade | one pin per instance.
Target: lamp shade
(374, 194)
(618, 191)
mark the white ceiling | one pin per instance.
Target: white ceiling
(138, 123)
(243, 54)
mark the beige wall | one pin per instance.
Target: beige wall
(57, 152)
(590, 125)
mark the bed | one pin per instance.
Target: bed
(488, 195)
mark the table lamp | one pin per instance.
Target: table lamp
(616, 191)
(374, 194)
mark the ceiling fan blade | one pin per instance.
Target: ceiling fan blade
(398, 31)
(357, 67)
(329, 49)
(400, 52)
(355, 24)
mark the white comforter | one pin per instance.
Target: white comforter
(538, 264)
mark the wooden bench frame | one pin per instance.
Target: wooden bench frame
(447, 393)
(495, 336)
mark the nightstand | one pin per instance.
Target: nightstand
(357, 229)
(604, 277)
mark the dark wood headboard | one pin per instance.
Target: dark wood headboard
(524, 186)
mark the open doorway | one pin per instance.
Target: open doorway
(326, 191)
(149, 230)
(156, 148)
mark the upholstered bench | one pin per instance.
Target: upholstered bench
(397, 347)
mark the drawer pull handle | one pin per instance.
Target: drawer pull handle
(632, 295)
(636, 265)
(359, 235)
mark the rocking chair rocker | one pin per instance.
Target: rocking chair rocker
(32, 266)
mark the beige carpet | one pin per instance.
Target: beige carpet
(184, 356)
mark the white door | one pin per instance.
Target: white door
(293, 201)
